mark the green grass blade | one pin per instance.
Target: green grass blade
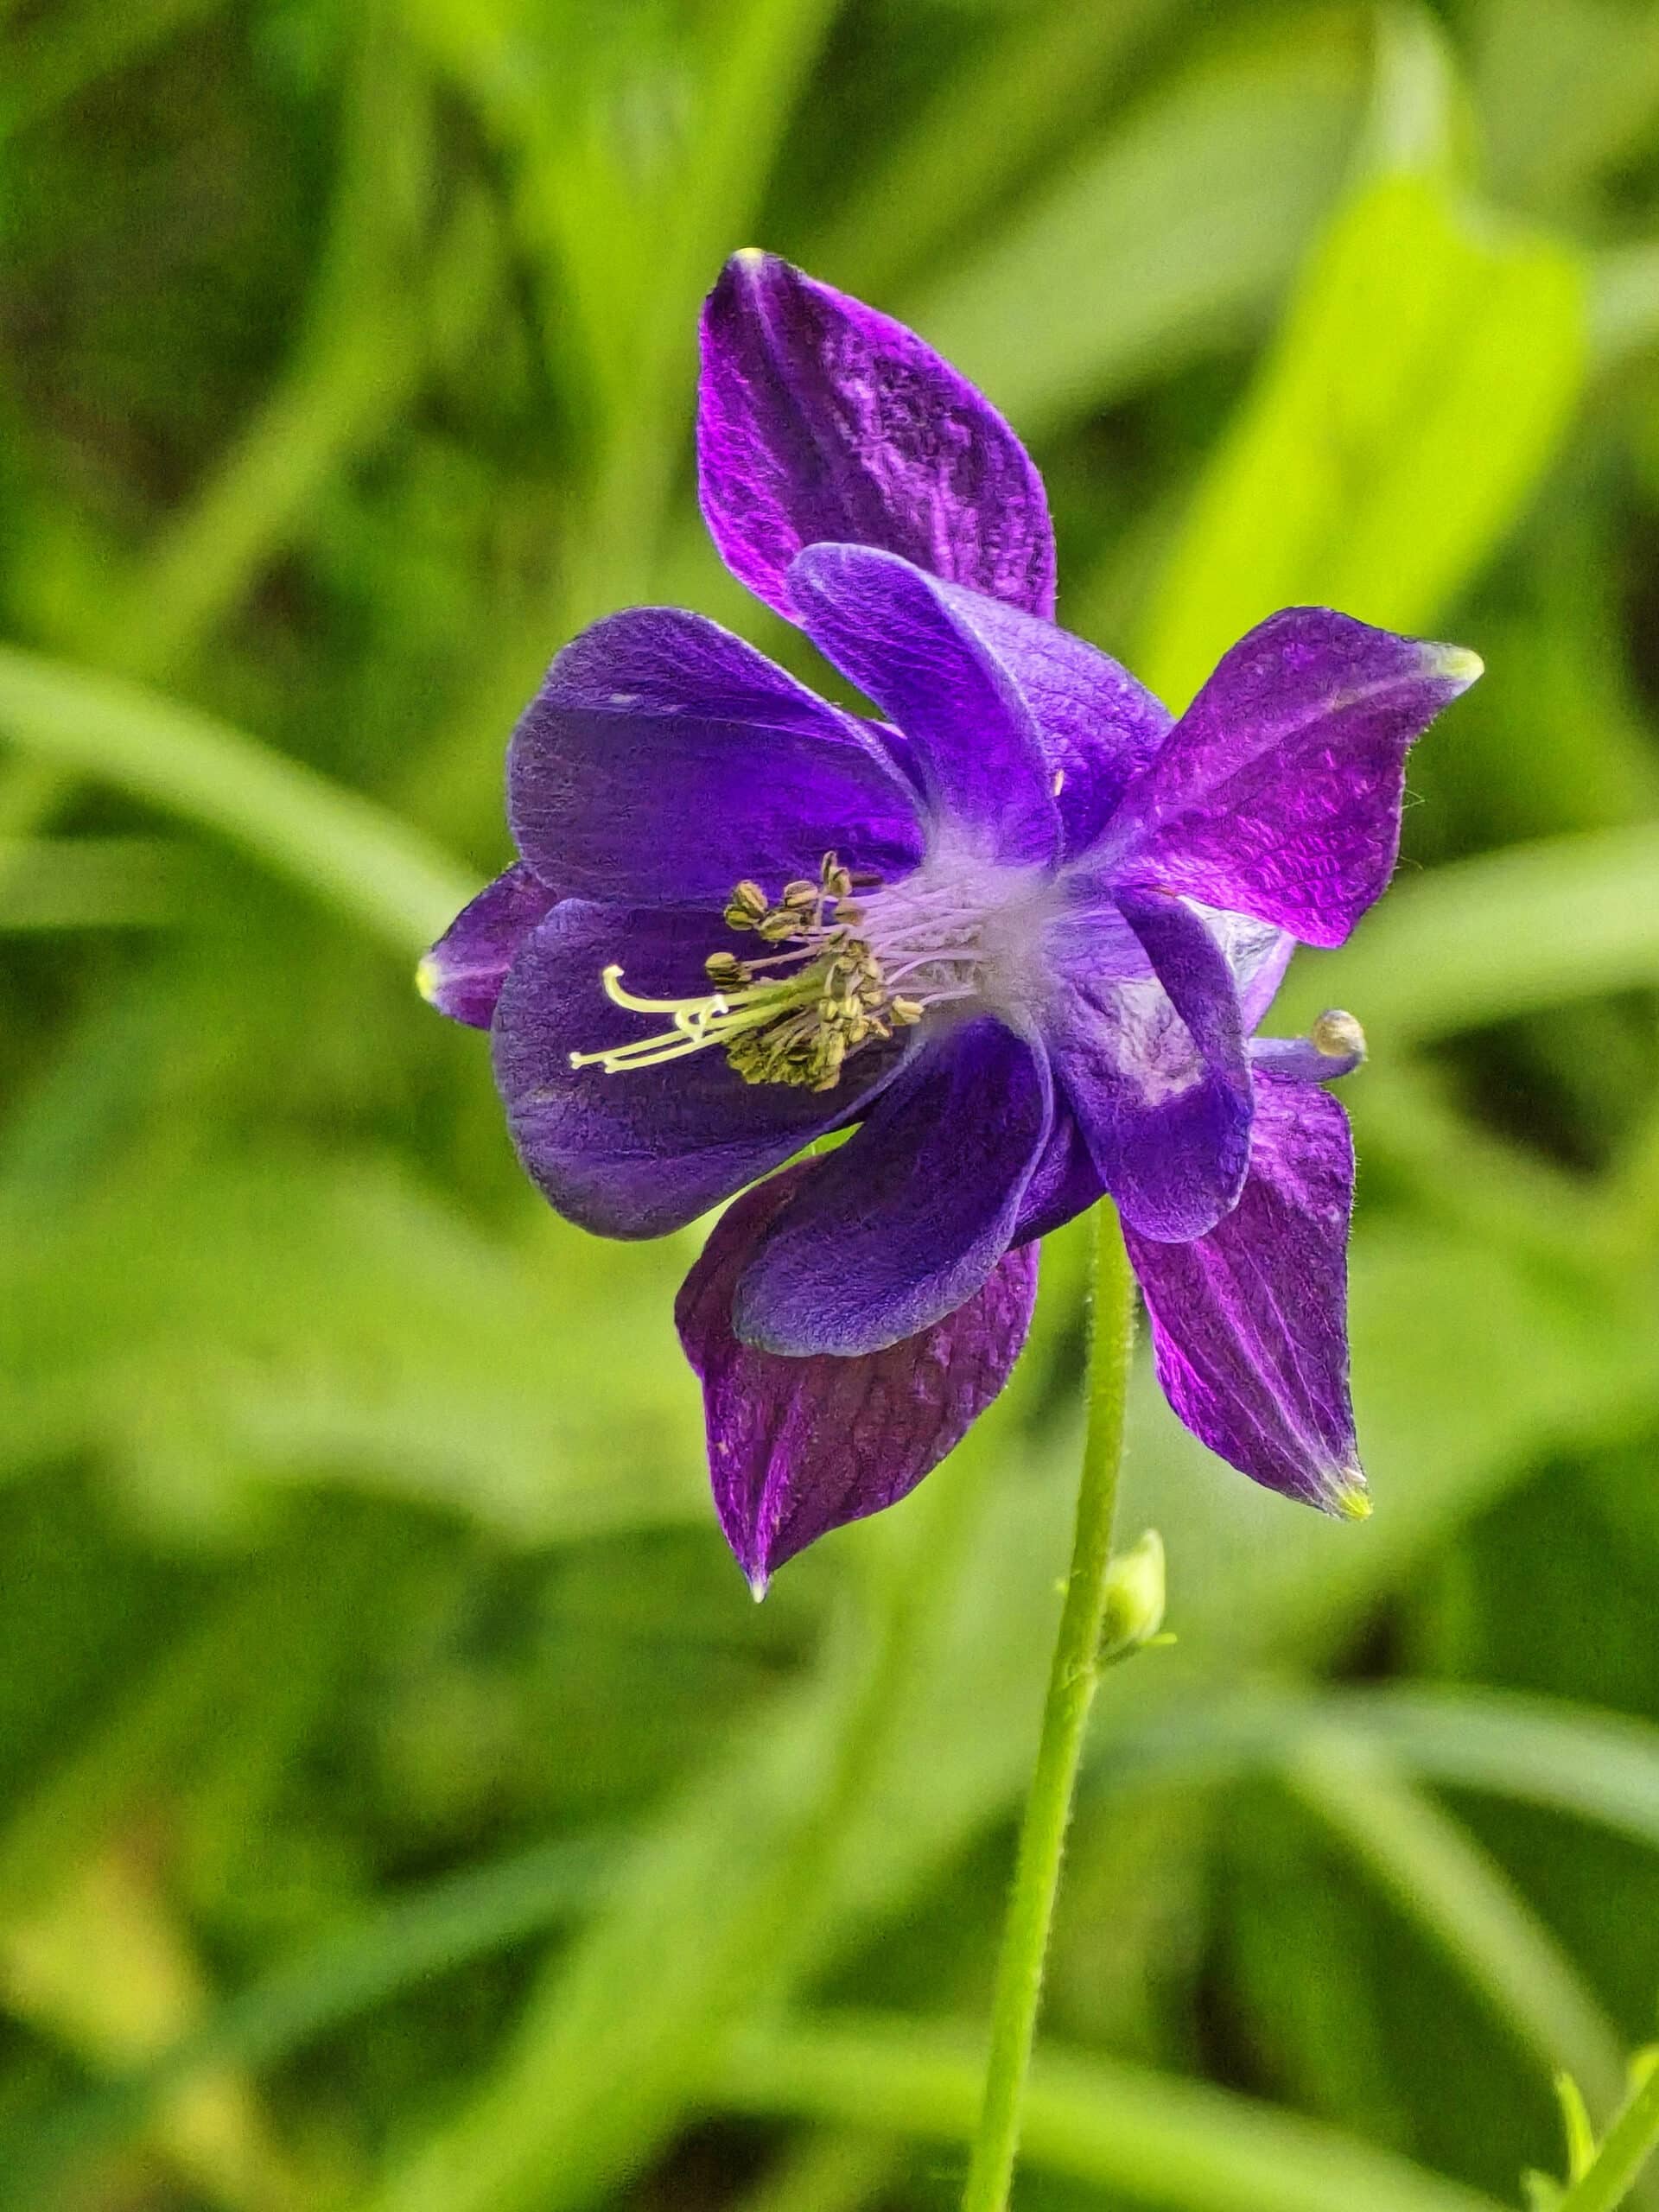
(1154, 2138)
(334, 844)
(1598, 1766)
(460, 1918)
(1008, 111)
(1170, 236)
(1511, 932)
(1441, 1879)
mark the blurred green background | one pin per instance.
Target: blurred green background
(404, 1809)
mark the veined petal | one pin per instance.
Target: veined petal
(799, 1446)
(1065, 1182)
(819, 420)
(908, 1217)
(1146, 1037)
(463, 973)
(662, 759)
(1250, 1324)
(974, 745)
(640, 1152)
(1098, 726)
(1278, 793)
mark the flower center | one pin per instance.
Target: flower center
(853, 961)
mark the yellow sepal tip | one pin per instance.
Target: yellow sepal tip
(1458, 663)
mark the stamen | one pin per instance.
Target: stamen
(1337, 1036)
(835, 988)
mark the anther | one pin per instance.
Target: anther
(1337, 1036)
(747, 907)
(820, 991)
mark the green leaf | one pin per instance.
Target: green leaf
(1426, 370)
(1628, 2146)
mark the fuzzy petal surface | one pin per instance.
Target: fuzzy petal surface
(463, 973)
(1278, 793)
(1249, 1324)
(799, 1446)
(1065, 1182)
(819, 420)
(973, 744)
(663, 758)
(1098, 726)
(640, 1154)
(1146, 1037)
(908, 1217)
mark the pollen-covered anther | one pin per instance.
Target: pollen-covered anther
(797, 1014)
(747, 907)
(1339, 1036)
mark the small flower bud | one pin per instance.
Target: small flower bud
(906, 1012)
(725, 971)
(1135, 1598)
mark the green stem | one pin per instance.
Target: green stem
(1626, 2148)
(1073, 1680)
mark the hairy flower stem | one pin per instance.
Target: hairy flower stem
(1073, 1677)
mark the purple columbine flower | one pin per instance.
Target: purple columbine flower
(1017, 935)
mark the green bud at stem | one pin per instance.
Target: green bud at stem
(1135, 1598)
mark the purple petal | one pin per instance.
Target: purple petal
(463, 973)
(1258, 955)
(1065, 1182)
(662, 759)
(1148, 1044)
(1098, 728)
(973, 747)
(1250, 1324)
(908, 1218)
(799, 1446)
(644, 1152)
(1278, 792)
(820, 421)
